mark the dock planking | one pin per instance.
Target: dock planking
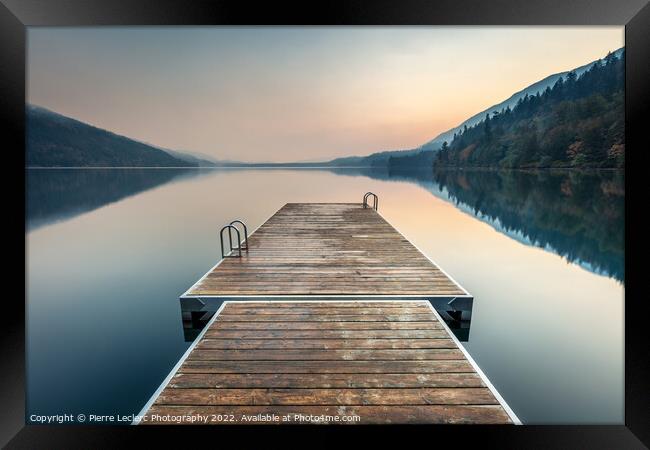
(311, 249)
(402, 366)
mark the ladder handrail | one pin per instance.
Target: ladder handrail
(244, 243)
(230, 228)
(375, 200)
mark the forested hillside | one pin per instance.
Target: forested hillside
(579, 122)
(420, 160)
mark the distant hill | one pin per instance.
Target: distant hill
(54, 140)
(373, 160)
(531, 90)
(191, 158)
(421, 160)
(579, 121)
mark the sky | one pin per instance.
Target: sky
(294, 93)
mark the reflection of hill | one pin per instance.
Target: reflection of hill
(576, 214)
(59, 194)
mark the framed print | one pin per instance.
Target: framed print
(356, 216)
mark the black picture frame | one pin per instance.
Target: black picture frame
(16, 15)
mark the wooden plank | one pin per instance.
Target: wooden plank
(327, 317)
(341, 325)
(330, 380)
(283, 291)
(340, 396)
(287, 354)
(378, 414)
(323, 344)
(454, 366)
(288, 305)
(326, 334)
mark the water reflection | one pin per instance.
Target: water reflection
(59, 194)
(576, 214)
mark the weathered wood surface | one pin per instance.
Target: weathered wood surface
(245, 365)
(327, 249)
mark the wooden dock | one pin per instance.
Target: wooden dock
(331, 249)
(327, 318)
(344, 362)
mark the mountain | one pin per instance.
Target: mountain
(373, 160)
(579, 121)
(531, 90)
(192, 158)
(54, 140)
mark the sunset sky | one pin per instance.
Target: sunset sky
(294, 93)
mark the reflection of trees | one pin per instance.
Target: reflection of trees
(54, 195)
(579, 215)
(576, 214)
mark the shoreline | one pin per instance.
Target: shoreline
(413, 169)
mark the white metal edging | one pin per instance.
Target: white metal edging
(426, 256)
(275, 302)
(478, 370)
(177, 366)
(393, 296)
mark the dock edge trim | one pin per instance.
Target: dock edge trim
(176, 367)
(490, 386)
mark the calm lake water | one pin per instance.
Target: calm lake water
(110, 251)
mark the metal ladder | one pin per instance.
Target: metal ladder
(240, 245)
(375, 200)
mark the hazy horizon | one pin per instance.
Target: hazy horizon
(282, 94)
